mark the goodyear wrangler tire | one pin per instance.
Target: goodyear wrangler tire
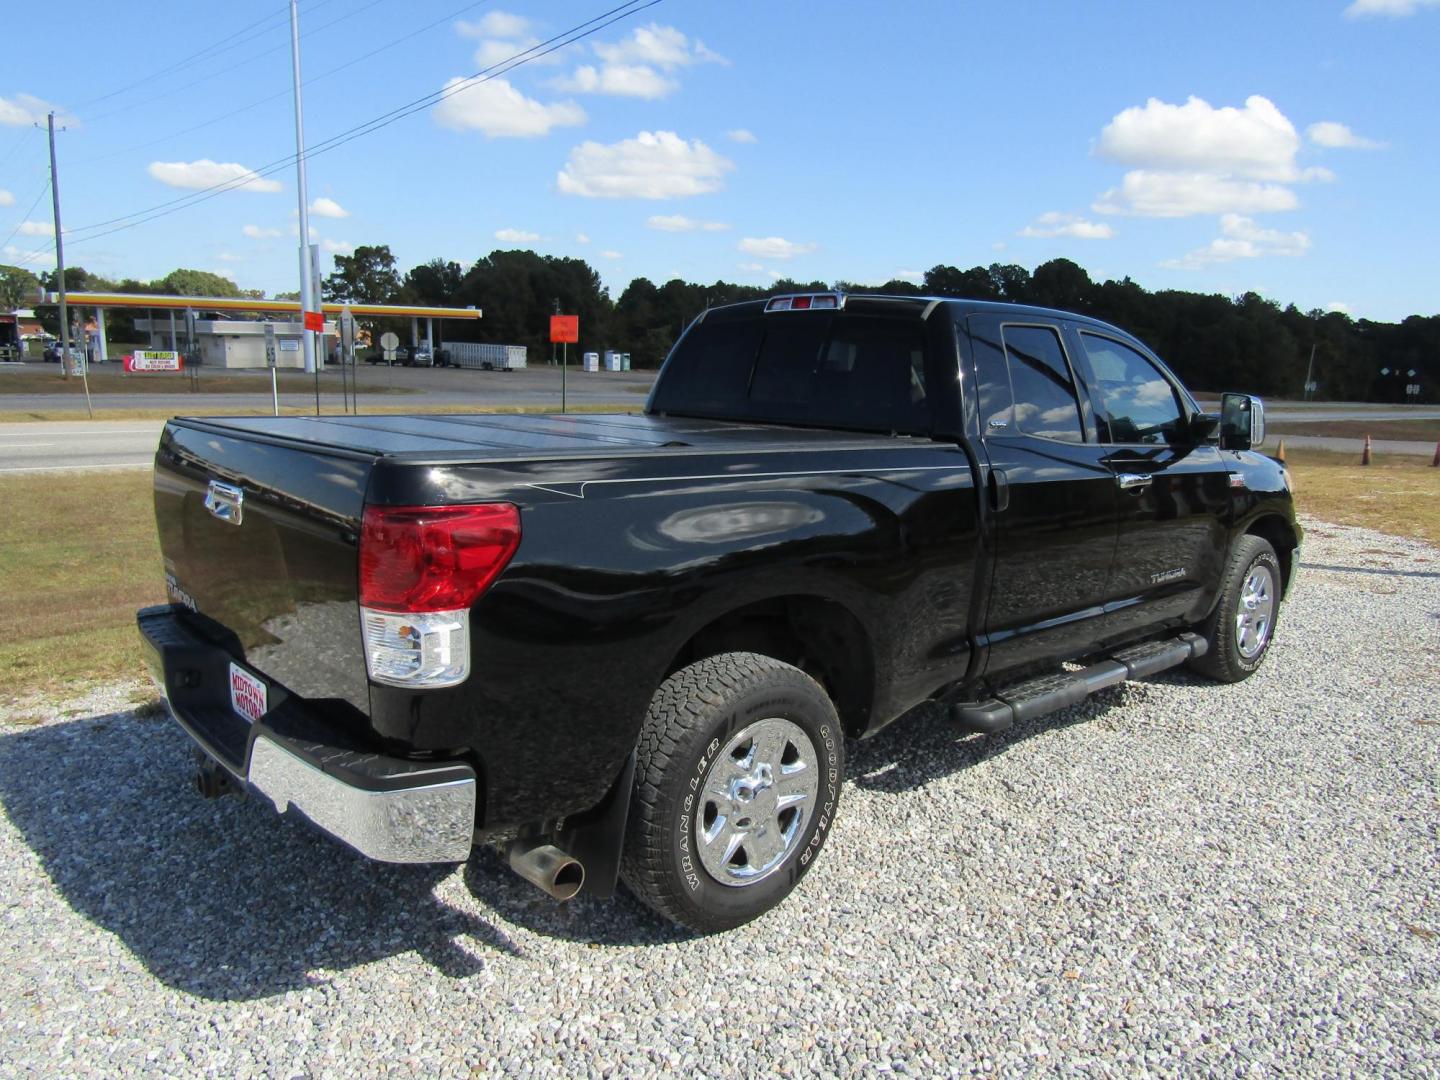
(738, 778)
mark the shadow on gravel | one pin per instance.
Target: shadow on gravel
(924, 746)
(1369, 570)
(223, 899)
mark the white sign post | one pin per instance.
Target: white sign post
(270, 363)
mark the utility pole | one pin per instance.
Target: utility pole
(307, 298)
(1309, 372)
(60, 275)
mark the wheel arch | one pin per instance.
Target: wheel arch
(817, 634)
(1281, 536)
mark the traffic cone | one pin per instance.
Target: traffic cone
(1435, 461)
(1280, 452)
(1365, 454)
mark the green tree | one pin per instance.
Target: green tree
(18, 287)
(185, 282)
(366, 277)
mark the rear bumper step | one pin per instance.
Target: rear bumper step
(1050, 693)
(387, 808)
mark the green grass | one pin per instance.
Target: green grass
(78, 555)
(179, 383)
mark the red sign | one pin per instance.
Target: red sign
(153, 360)
(564, 328)
(314, 320)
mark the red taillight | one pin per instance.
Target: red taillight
(433, 558)
(800, 303)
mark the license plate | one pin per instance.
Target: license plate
(247, 694)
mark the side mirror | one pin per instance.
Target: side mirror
(1242, 422)
(1203, 425)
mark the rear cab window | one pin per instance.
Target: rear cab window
(859, 372)
(1042, 385)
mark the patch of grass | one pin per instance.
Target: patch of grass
(114, 382)
(1397, 494)
(1403, 430)
(78, 556)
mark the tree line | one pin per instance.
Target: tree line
(1213, 342)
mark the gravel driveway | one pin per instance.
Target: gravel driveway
(1174, 877)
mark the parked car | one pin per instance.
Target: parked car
(634, 646)
(53, 352)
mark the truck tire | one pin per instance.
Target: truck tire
(737, 779)
(1242, 625)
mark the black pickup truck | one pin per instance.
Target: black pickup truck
(633, 646)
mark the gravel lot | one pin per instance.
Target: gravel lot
(1175, 877)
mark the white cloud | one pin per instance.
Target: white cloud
(1338, 306)
(618, 80)
(22, 110)
(774, 247)
(1395, 9)
(516, 236)
(6, 199)
(663, 46)
(206, 173)
(496, 109)
(255, 232)
(1072, 225)
(741, 135)
(496, 24)
(915, 277)
(337, 247)
(774, 275)
(35, 228)
(1149, 193)
(681, 223)
(653, 165)
(1335, 135)
(314, 233)
(611, 255)
(230, 257)
(751, 267)
(581, 238)
(327, 207)
(1241, 238)
(633, 66)
(1257, 142)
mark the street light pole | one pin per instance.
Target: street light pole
(307, 298)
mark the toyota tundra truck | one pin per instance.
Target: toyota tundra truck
(633, 647)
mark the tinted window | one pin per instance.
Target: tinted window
(1040, 380)
(849, 371)
(1138, 404)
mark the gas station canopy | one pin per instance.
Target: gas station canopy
(242, 304)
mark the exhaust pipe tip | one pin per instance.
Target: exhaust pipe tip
(548, 868)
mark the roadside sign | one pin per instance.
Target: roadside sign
(315, 320)
(289, 344)
(153, 360)
(269, 344)
(564, 329)
(388, 344)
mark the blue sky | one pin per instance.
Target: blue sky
(1286, 147)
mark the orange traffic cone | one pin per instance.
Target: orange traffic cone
(1280, 451)
(1365, 454)
(1435, 461)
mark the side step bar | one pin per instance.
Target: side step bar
(1050, 693)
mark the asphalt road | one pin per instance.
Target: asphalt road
(77, 445)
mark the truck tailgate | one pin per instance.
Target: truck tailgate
(259, 537)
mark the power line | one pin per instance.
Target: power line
(232, 40)
(284, 93)
(172, 91)
(26, 216)
(544, 48)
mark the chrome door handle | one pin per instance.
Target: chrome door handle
(225, 502)
(1130, 481)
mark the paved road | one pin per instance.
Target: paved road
(77, 445)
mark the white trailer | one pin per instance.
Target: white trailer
(472, 354)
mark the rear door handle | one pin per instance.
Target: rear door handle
(1135, 482)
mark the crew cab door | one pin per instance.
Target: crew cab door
(1174, 490)
(1052, 493)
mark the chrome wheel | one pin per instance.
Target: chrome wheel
(1255, 613)
(756, 801)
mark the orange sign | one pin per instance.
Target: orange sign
(314, 320)
(564, 328)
